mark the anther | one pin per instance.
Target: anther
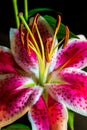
(35, 21)
(24, 36)
(47, 49)
(55, 33)
(66, 37)
(26, 42)
(58, 24)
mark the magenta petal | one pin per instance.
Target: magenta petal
(76, 77)
(58, 115)
(7, 63)
(28, 62)
(38, 116)
(73, 55)
(16, 103)
(74, 97)
(9, 82)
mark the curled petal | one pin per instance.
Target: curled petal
(7, 62)
(38, 116)
(73, 55)
(72, 96)
(16, 103)
(44, 28)
(28, 62)
(57, 114)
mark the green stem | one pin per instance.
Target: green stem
(26, 9)
(16, 13)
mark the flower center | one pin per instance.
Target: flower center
(43, 51)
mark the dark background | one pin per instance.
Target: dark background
(74, 14)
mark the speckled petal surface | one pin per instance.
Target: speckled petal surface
(57, 114)
(16, 103)
(38, 116)
(74, 97)
(9, 82)
(73, 55)
(28, 62)
(75, 77)
(7, 62)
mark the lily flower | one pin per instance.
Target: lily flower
(41, 79)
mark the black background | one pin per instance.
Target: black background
(74, 14)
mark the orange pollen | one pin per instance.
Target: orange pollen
(47, 49)
(26, 43)
(35, 21)
(66, 37)
(24, 37)
(58, 24)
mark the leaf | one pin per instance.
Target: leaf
(16, 127)
(52, 21)
(71, 119)
(37, 10)
(61, 33)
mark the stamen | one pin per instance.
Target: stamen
(56, 31)
(26, 42)
(23, 37)
(35, 21)
(58, 44)
(30, 44)
(38, 33)
(66, 37)
(29, 31)
(47, 49)
(41, 42)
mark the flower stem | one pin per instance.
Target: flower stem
(26, 9)
(16, 13)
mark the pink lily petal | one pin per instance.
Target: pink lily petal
(81, 37)
(28, 62)
(73, 55)
(76, 77)
(17, 103)
(38, 116)
(7, 62)
(9, 82)
(57, 114)
(74, 97)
